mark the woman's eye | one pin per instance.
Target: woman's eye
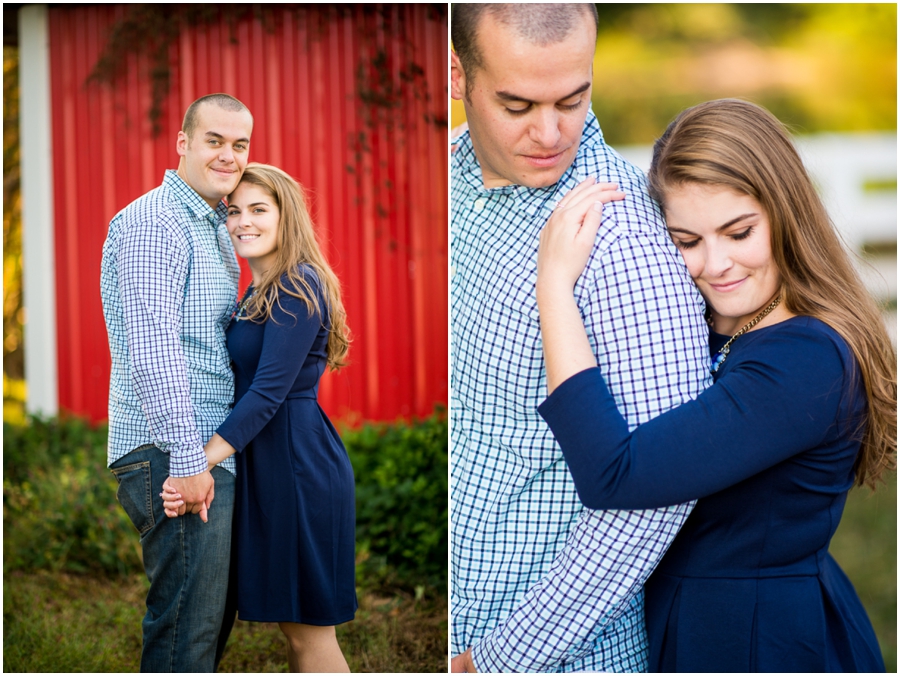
(744, 234)
(686, 244)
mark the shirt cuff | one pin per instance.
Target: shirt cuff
(188, 463)
(485, 661)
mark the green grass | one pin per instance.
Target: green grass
(865, 546)
(71, 623)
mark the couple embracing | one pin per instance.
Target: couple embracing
(662, 388)
(236, 480)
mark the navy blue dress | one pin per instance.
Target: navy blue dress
(748, 585)
(294, 513)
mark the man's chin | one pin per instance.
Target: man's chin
(541, 180)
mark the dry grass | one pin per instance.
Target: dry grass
(71, 623)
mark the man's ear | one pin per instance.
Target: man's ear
(457, 78)
(181, 144)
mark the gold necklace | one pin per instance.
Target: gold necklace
(721, 355)
(239, 314)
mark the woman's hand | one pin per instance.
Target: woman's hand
(566, 244)
(173, 505)
(568, 237)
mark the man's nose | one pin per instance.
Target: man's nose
(226, 154)
(545, 128)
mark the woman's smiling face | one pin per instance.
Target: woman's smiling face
(253, 224)
(725, 240)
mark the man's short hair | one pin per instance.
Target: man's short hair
(224, 101)
(541, 24)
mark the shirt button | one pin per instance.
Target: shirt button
(479, 204)
(452, 271)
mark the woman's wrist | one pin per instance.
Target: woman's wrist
(553, 288)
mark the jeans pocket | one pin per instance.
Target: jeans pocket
(135, 494)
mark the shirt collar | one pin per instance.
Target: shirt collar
(192, 200)
(532, 198)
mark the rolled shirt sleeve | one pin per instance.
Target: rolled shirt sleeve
(153, 272)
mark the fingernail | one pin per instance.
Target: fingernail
(598, 207)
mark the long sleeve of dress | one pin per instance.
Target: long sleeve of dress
(782, 395)
(288, 337)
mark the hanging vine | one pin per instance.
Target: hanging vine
(151, 30)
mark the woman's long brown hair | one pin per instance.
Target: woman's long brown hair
(297, 244)
(741, 146)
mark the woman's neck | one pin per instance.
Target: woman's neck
(256, 272)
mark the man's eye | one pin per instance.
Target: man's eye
(518, 111)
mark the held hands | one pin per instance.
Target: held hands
(192, 494)
(568, 237)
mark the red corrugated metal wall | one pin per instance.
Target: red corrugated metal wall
(350, 100)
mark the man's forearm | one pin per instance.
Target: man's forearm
(590, 585)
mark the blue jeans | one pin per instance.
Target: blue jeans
(187, 561)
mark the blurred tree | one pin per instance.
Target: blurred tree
(818, 67)
(13, 360)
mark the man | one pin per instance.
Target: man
(169, 282)
(538, 582)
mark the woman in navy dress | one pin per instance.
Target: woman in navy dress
(803, 404)
(294, 517)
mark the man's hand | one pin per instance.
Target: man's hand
(463, 664)
(195, 492)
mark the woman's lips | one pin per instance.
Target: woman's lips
(730, 286)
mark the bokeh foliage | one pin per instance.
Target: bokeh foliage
(818, 67)
(60, 511)
(13, 360)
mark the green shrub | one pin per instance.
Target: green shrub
(59, 501)
(60, 510)
(401, 500)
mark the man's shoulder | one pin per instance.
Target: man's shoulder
(157, 207)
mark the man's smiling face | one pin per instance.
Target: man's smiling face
(216, 155)
(527, 106)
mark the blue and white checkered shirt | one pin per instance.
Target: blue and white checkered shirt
(169, 281)
(538, 582)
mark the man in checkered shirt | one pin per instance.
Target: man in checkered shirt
(538, 582)
(169, 283)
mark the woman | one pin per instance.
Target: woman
(803, 404)
(294, 515)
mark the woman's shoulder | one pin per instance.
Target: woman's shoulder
(806, 339)
(295, 278)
